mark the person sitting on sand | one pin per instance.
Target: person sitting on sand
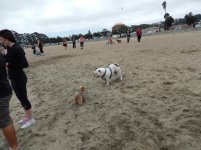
(110, 40)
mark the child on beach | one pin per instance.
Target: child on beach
(128, 36)
(65, 45)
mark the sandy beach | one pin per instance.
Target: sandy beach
(157, 106)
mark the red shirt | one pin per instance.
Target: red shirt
(138, 31)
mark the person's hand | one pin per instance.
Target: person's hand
(2, 50)
(7, 64)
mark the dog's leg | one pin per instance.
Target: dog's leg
(107, 82)
(119, 74)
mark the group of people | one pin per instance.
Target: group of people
(138, 34)
(81, 40)
(38, 49)
(12, 62)
(128, 35)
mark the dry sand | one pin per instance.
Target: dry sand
(157, 106)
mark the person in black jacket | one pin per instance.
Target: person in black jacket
(15, 62)
(6, 123)
(74, 41)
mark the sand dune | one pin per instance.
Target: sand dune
(157, 106)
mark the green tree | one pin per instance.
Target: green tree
(88, 35)
(190, 18)
(168, 22)
(105, 32)
(119, 29)
(164, 4)
(97, 34)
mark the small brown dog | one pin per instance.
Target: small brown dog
(118, 41)
(79, 96)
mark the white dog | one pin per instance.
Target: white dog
(107, 73)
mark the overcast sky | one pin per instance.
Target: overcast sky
(65, 17)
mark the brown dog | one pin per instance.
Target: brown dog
(79, 96)
(118, 41)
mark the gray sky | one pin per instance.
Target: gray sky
(64, 17)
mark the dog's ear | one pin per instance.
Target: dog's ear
(96, 68)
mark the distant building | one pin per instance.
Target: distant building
(198, 24)
(152, 30)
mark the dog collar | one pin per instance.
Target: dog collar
(104, 74)
(111, 72)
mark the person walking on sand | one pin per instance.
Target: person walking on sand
(15, 62)
(139, 34)
(128, 35)
(40, 45)
(65, 44)
(6, 123)
(82, 39)
(74, 41)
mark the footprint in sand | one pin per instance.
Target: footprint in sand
(130, 87)
(191, 69)
(93, 148)
(168, 83)
(164, 148)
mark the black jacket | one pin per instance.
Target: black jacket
(16, 60)
(5, 88)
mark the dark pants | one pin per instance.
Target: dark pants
(74, 45)
(19, 87)
(81, 45)
(4, 112)
(41, 50)
(34, 51)
(139, 38)
(128, 39)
